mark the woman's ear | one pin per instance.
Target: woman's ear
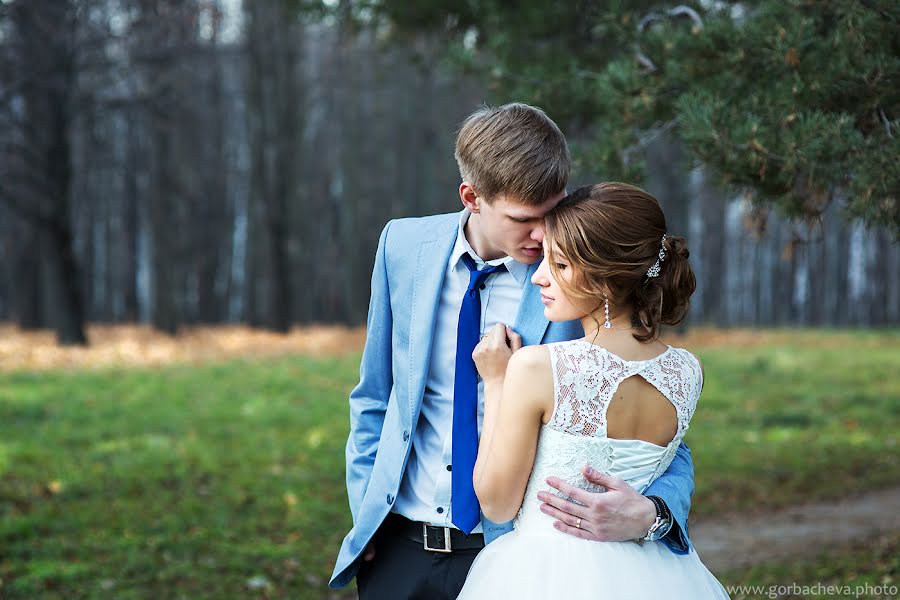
(606, 292)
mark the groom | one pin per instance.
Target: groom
(438, 284)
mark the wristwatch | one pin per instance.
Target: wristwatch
(662, 523)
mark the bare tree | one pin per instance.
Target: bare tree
(36, 168)
(151, 170)
(275, 104)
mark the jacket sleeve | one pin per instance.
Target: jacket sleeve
(369, 399)
(675, 487)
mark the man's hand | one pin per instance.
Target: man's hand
(369, 553)
(617, 515)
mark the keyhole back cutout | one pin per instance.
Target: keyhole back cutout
(638, 411)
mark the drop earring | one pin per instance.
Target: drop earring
(606, 324)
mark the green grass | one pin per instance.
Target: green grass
(812, 419)
(226, 481)
(177, 483)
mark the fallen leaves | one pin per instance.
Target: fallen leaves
(142, 346)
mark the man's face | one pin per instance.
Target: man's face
(515, 229)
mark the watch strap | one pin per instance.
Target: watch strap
(663, 522)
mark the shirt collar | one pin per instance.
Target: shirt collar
(518, 270)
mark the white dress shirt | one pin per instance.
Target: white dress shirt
(424, 494)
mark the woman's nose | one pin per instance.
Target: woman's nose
(539, 278)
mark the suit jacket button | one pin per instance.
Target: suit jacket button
(405, 436)
(390, 499)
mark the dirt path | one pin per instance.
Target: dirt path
(730, 542)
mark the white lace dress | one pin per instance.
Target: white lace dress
(537, 561)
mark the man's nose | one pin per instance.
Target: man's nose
(537, 234)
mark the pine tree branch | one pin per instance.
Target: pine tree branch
(886, 121)
(868, 4)
(673, 13)
(648, 138)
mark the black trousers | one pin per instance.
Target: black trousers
(403, 570)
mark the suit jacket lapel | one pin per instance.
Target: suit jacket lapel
(530, 322)
(431, 264)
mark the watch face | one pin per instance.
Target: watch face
(651, 533)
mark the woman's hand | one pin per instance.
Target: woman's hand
(492, 353)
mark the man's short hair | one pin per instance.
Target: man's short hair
(514, 150)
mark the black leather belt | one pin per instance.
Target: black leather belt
(432, 537)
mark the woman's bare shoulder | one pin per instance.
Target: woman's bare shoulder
(530, 376)
(532, 356)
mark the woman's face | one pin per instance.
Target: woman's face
(557, 304)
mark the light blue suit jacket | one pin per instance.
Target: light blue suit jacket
(384, 407)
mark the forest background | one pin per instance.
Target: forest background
(183, 162)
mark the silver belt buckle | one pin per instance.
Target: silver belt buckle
(446, 549)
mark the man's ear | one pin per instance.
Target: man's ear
(470, 197)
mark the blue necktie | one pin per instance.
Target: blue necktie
(466, 512)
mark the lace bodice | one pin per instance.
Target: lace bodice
(585, 377)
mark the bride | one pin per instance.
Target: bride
(618, 400)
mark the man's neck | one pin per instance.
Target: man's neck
(477, 240)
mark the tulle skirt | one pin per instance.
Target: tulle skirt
(552, 564)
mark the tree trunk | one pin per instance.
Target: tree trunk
(274, 127)
(131, 227)
(27, 300)
(45, 31)
(63, 285)
(165, 311)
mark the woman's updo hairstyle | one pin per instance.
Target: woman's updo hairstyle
(611, 235)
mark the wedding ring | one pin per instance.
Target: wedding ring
(578, 523)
